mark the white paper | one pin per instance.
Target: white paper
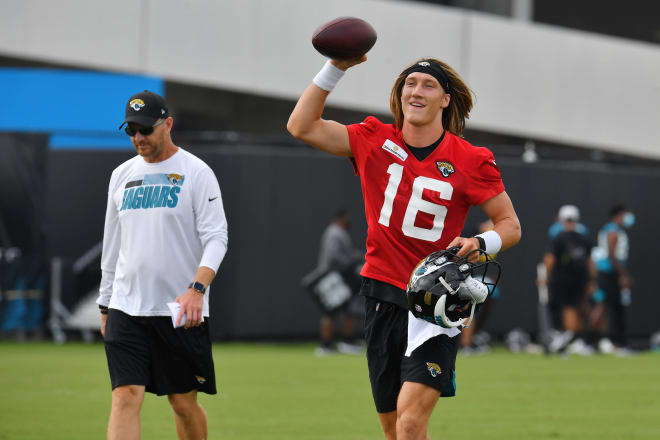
(174, 309)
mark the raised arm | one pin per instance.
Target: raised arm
(305, 122)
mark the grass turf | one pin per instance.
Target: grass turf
(285, 392)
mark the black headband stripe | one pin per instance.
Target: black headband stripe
(433, 69)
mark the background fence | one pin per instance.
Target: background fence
(279, 199)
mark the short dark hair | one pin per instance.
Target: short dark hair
(340, 214)
(617, 209)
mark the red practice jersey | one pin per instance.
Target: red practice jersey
(413, 207)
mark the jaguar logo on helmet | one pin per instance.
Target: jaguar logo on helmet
(136, 104)
(447, 292)
(445, 168)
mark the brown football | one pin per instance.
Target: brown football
(344, 38)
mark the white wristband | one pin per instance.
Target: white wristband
(493, 241)
(328, 76)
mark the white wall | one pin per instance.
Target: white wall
(530, 80)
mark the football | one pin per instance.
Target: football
(344, 38)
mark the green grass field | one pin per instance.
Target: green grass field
(285, 392)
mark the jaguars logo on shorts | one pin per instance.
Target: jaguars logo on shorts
(434, 369)
(445, 168)
(136, 104)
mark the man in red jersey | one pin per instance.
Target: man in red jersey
(419, 178)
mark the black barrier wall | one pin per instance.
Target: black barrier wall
(279, 200)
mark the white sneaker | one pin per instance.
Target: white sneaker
(321, 351)
(560, 341)
(605, 346)
(580, 348)
(346, 348)
(481, 338)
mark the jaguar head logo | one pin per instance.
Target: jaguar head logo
(175, 179)
(136, 104)
(434, 369)
(445, 168)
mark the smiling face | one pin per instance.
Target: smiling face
(422, 100)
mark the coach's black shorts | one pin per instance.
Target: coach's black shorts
(386, 333)
(149, 351)
(569, 294)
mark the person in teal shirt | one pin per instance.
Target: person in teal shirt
(613, 295)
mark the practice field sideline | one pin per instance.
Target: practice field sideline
(285, 392)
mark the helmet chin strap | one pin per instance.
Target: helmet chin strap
(446, 285)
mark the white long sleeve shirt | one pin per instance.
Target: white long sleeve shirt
(163, 221)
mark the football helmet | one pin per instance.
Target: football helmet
(445, 289)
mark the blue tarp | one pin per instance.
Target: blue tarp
(80, 109)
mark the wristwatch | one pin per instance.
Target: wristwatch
(197, 287)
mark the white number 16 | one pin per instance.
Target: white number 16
(416, 204)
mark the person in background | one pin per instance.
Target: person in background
(614, 282)
(558, 226)
(572, 274)
(164, 239)
(337, 252)
(554, 307)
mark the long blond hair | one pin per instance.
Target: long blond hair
(460, 103)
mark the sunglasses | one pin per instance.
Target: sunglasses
(144, 131)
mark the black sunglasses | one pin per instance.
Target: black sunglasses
(144, 131)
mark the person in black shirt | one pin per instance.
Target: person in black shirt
(572, 275)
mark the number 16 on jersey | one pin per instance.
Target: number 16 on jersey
(416, 204)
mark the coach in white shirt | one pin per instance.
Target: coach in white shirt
(164, 239)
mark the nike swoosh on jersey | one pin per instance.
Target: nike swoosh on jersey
(212, 199)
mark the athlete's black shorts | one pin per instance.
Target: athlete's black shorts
(149, 351)
(386, 332)
(609, 283)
